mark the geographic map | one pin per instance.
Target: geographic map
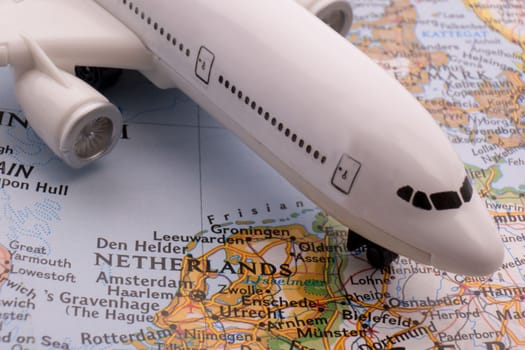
(183, 239)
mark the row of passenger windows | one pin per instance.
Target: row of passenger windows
(272, 120)
(440, 200)
(156, 26)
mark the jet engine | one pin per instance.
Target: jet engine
(73, 119)
(336, 13)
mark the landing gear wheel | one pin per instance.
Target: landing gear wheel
(355, 241)
(377, 256)
(97, 77)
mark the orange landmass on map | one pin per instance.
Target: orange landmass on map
(5, 264)
(395, 34)
(504, 17)
(394, 42)
(503, 102)
(446, 114)
(197, 314)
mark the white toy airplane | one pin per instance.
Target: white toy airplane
(319, 111)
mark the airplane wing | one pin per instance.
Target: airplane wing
(43, 41)
(70, 32)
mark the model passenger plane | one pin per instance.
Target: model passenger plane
(313, 106)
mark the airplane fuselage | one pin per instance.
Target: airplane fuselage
(318, 110)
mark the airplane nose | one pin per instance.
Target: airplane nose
(475, 247)
(471, 258)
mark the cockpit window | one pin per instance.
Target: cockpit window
(441, 200)
(446, 200)
(405, 193)
(466, 190)
(421, 201)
